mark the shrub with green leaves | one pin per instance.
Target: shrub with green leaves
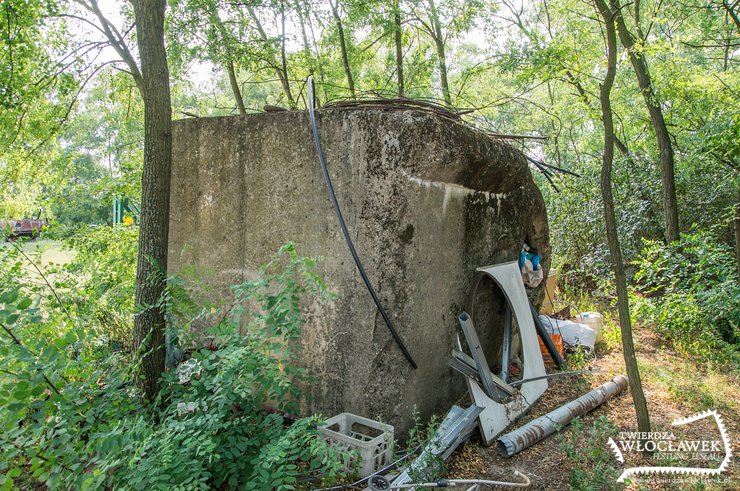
(104, 273)
(71, 416)
(689, 291)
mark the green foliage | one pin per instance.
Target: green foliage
(100, 157)
(545, 80)
(29, 48)
(578, 358)
(37, 85)
(593, 464)
(689, 291)
(105, 271)
(698, 262)
(71, 418)
(79, 200)
(611, 334)
(429, 467)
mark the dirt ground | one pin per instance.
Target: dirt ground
(674, 388)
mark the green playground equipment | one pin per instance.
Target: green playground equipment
(122, 205)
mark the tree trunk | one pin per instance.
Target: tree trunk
(630, 360)
(737, 234)
(639, 64)
(441, 56)
(304, 36)
(230, 68)
(399, 47)
(281, 70)
(149, 322)
(283, 58)
(235, 86)
(343, 47)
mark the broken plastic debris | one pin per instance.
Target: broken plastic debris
(186, 370)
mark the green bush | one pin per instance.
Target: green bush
(71, 416)
(689, 292)
(104, 272)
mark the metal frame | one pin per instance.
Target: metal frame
(497, 416)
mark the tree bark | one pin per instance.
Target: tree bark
(668, 180)
(283, 58)
(149, 322)
(399, 47)
(736, 223)
(633, 373)
(281, 70)
(441, 55)
(304, 36)
(229, 60)
(343, 47)
(235, 86)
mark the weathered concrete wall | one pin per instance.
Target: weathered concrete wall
(427, 201)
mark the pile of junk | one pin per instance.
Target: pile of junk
(501, 390)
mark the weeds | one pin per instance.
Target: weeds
(689, 292)
(579, 358)
(588, 451)
(430, 467)
(71, 417)
(611, 334)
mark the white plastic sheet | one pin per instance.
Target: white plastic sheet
(573, 334)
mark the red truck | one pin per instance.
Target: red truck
(22, 228)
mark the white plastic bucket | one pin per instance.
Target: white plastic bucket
(594, 321)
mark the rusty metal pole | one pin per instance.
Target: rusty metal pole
(544, 426)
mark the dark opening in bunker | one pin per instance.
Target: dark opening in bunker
(487, 306)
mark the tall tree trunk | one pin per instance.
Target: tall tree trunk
(399, 47)
(571, 79)
(283, 58)
(304, 36)
(343, 46)
(639, 64)
(235, 86)
(151, 270)
(736, 223)
(223, 35)
(630, 360)
(281, 69)
(439, 44)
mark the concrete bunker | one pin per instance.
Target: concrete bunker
(427, 201)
